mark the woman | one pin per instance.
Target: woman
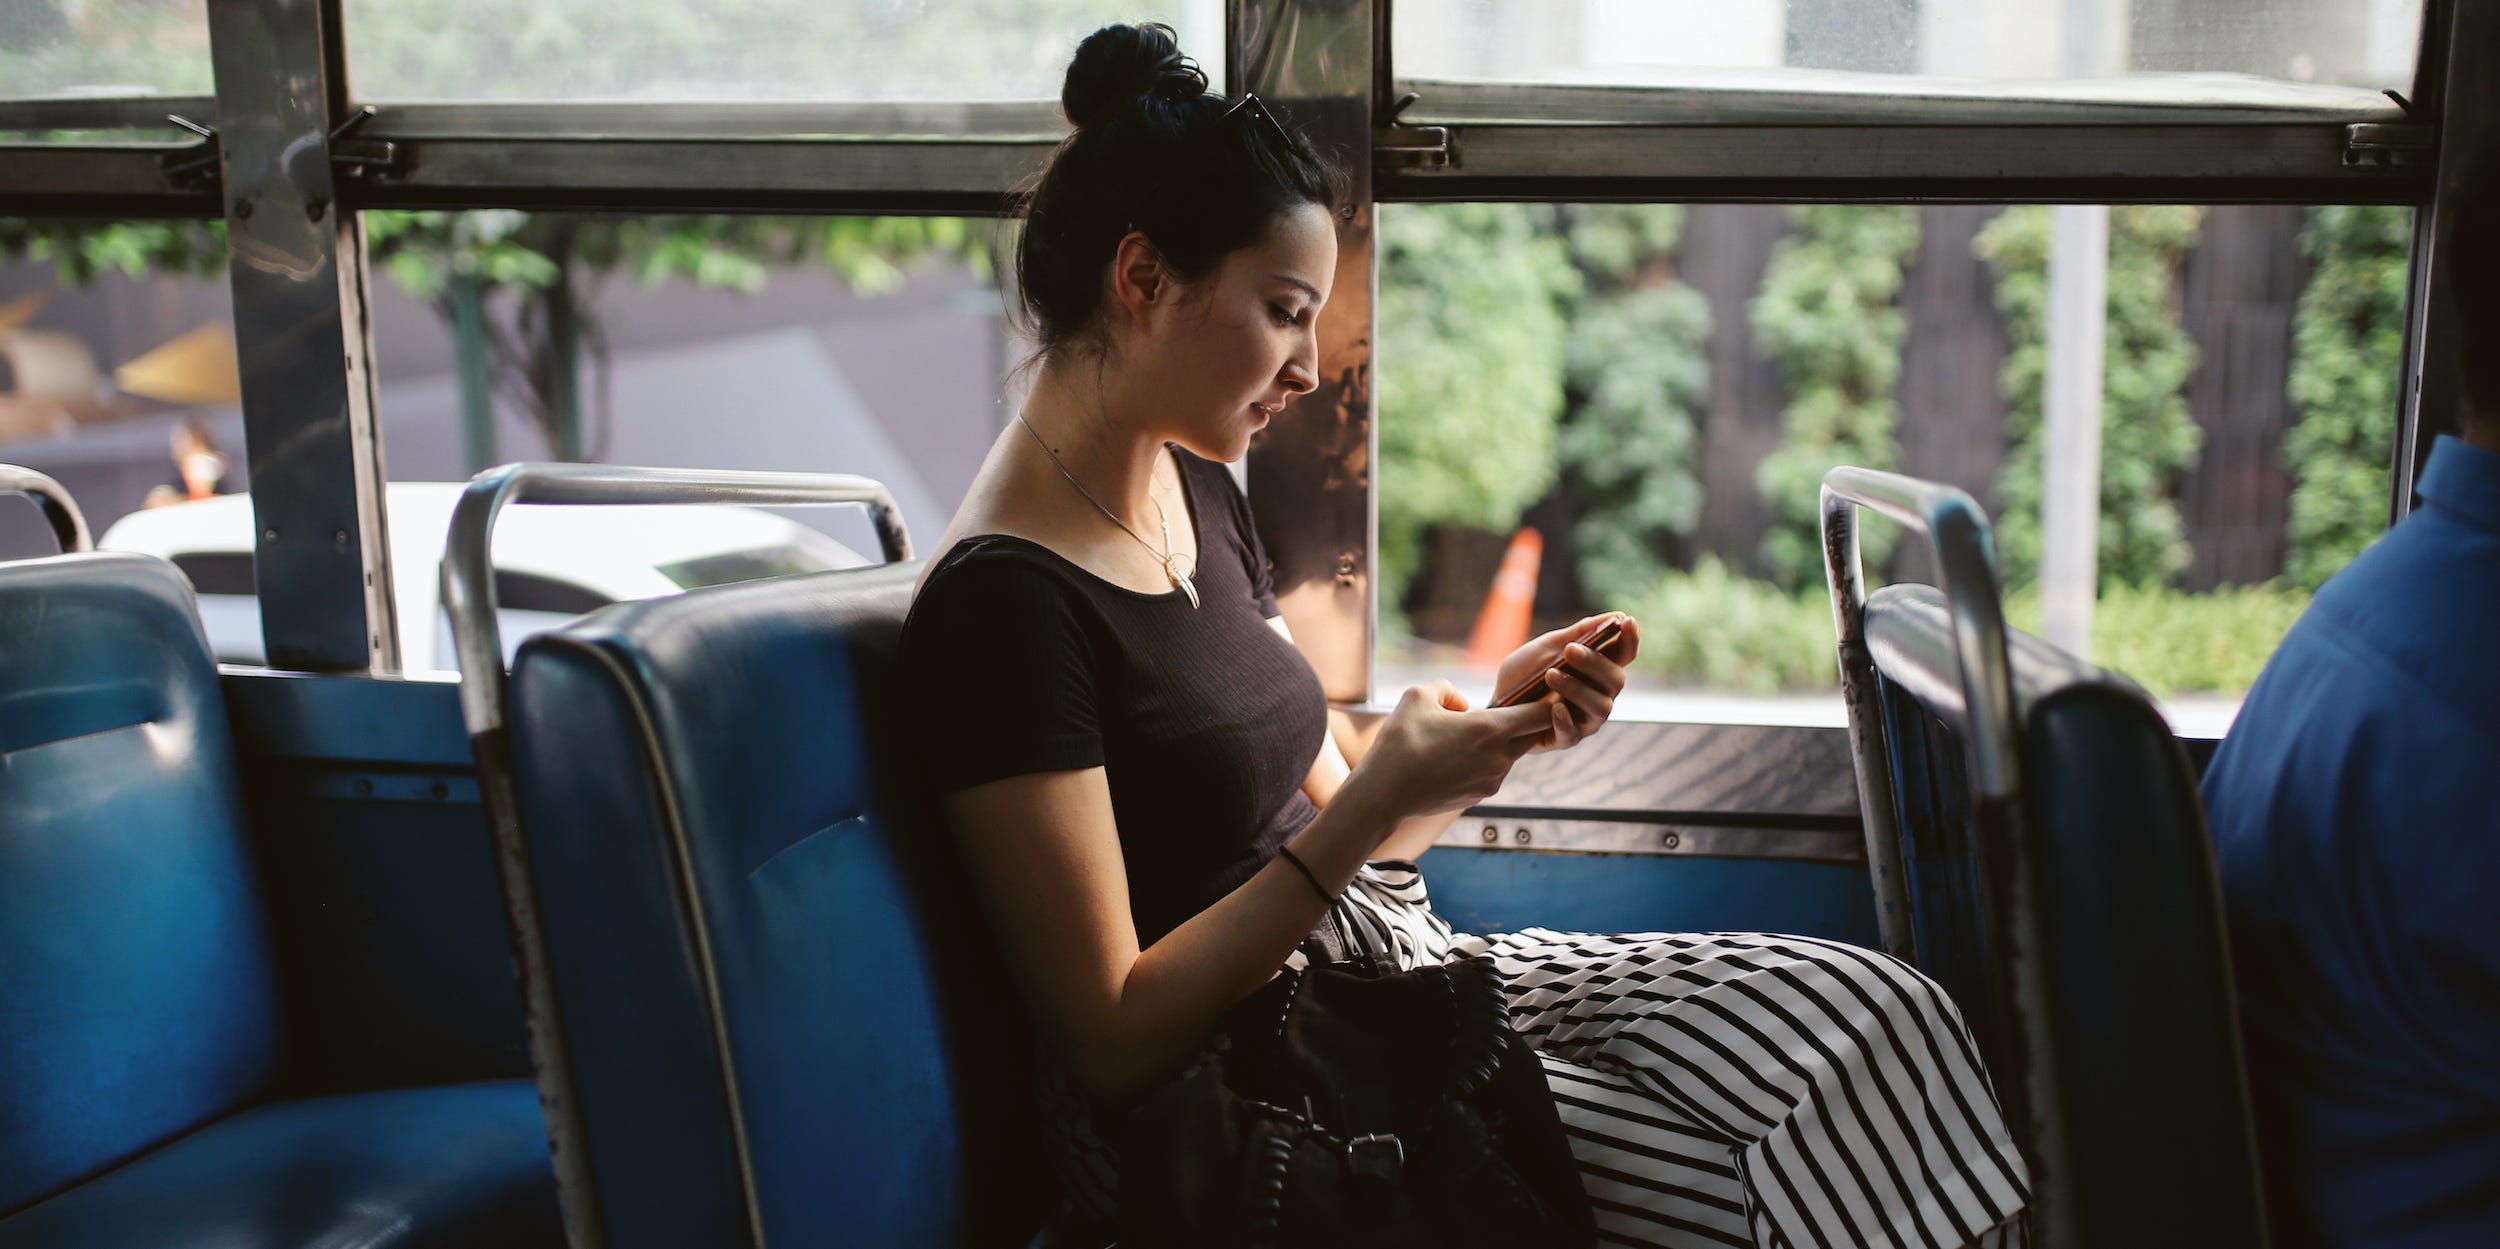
(1136, 763)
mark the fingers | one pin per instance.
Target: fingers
(1589, 704)
(1627, 647)
(1531, 719)
(1593, 668)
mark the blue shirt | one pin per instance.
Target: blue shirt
(2356, 821)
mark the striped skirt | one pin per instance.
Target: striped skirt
(1726, 1088)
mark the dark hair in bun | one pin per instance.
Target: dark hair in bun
(1155, 152)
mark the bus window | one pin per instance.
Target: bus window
(105, 50)
(1886, 55)
(673, 50)
(118, 375)
(1638, 403)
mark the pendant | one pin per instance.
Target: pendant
(1172, 569)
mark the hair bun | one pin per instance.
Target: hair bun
(1119, 65)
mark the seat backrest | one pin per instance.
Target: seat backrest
(2140, 1011)
(134, 963)
(775, 1029)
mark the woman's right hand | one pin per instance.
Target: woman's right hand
(1434, 755)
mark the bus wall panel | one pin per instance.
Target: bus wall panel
(1486, 891)
(394, 966)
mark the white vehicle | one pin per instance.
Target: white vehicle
(551, 563)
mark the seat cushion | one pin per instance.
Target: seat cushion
(455, 1165)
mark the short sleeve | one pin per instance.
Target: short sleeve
(1253, 552)
(1001, 673)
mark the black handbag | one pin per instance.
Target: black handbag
(1349, 1105)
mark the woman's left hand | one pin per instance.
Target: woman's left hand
(1584, 685)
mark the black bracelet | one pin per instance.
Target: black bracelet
(1286, 853)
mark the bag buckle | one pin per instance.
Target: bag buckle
(1378, 1157)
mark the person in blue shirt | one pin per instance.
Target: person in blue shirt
(2356, 821)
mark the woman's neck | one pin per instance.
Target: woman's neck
(1095, 439)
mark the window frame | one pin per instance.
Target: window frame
(1452, 141)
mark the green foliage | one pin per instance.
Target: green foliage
(1715, 629)
(1470, 370)
(1827, 315)
(2347, 341)
(2148, 440)
(82, 251)
(2171, 642)
(1638, 366)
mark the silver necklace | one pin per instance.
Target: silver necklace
(1171, 561)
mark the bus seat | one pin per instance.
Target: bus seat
(776, 1022)
(141, 1042)
(2140, 1008)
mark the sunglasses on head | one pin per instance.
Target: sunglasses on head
(1250, 103)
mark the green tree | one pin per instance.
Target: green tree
(1829, 314)
(2347, 341)
(2148, 439)
(1470, 370)
(1638, 367)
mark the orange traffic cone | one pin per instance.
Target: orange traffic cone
(1502, 626)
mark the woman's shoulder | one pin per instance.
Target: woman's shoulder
(994, 566)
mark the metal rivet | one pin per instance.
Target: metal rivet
(339, 539)
(364, 787)
(243, 210)
(270, 534)
(1520, 836)
(1672, 841)
(1491, 834)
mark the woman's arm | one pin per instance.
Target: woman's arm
(1412, 836)
(1044, 852)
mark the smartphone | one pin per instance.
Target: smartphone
(1603, 642)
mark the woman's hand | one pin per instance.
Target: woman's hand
(1587, 682)
(1434, 755)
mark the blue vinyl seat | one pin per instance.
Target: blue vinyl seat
(2036, 843)
(777, 1017)
(140, 1032)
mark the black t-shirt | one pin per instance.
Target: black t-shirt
(1204, 720)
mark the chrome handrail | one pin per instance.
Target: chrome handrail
(69, 525)
(468, 574)
(477, 639)
(1957, 533)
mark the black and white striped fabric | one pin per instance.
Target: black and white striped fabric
(1731, 1088)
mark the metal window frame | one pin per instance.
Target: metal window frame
(1459, 141)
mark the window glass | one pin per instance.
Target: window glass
(868, 345)
(933, 50)
(118, 373)
(2187, 49)
(103, 48)
(1638, 403)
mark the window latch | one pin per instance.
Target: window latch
(1398, 145)
(357, 159)
(194, 167)
(2387, 143)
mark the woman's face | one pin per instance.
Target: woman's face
(1232, 349)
